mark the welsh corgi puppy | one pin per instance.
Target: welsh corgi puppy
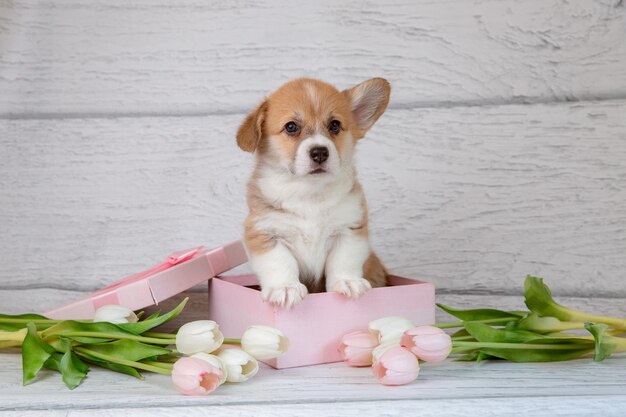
(306, 230)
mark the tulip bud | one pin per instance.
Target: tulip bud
(428, 343)
(114, 313)
(356, 348)
(396, 366)
(214, 361)
(239, 364)
(199, 336)
(193, 376)
(264, 342)
(389, 329)
(380, 349)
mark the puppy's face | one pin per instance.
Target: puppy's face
(308, 127)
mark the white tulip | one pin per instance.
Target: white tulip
(390, 329)
(240, 365)
(114, 313)
(264, 342)
(215, 361)
(199, 336)
(380, 349)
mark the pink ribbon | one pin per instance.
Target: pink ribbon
(100, 298)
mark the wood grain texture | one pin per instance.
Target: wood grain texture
(554, 384)
(582, 406)
(157, 57)
(472, 198)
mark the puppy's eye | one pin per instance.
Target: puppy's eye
(292, 128)
(334, 127)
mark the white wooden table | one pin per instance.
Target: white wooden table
(579, 387)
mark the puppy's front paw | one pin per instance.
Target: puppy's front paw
(285, 296)
(351, 287)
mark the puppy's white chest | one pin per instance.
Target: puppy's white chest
(309, 229)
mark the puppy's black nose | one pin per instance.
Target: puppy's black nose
(319, 154)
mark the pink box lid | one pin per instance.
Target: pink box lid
(180, 271)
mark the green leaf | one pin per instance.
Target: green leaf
(480, 314)
(572, 346)
(72, 368)
(539, 300)
(131, 350)
(483, 356)
(35, 353)
(54, 362)
(10, 327)
(123, 369)
(604, 345)
(535, 323)
(68, 328)
(536, 355)
(484, 333)
(151, 322)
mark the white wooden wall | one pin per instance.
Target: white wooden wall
(503, 152)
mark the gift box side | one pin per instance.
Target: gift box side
(316, 325)
(235, 307)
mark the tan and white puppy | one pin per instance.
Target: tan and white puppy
(307, 224)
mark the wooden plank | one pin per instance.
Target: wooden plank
(472, 198)
(119, 57)
(333, 383)
(583, 406)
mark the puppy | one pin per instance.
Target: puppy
(306, 230)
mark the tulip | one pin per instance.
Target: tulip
(380, 349)
(193, 376)
(356, 348)
(240, 365)
(396, 366)
(114, 313)
(264, 342)
(389, 329)
(214, 361)
(199, 336)
(428, 343)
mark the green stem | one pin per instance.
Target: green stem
(26, 321)
(540, 346)
(169, 366)
(120, 361)
(160, 335)
(459, 338)
(232, 341)
(456, 324)
(100, 335)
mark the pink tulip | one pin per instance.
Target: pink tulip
(193, 376)
(428, 343)
(356, 348)
(397, 366)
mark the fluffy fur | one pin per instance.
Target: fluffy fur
(307, 229)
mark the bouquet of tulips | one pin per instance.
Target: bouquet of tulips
(117, 340)
(548, 331)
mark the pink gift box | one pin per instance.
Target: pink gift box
(315, 325)
(180, 271)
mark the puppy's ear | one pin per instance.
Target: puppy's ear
(251, 130)
(368, 101)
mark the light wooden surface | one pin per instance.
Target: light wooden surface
(574, 388)
(471, 198)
